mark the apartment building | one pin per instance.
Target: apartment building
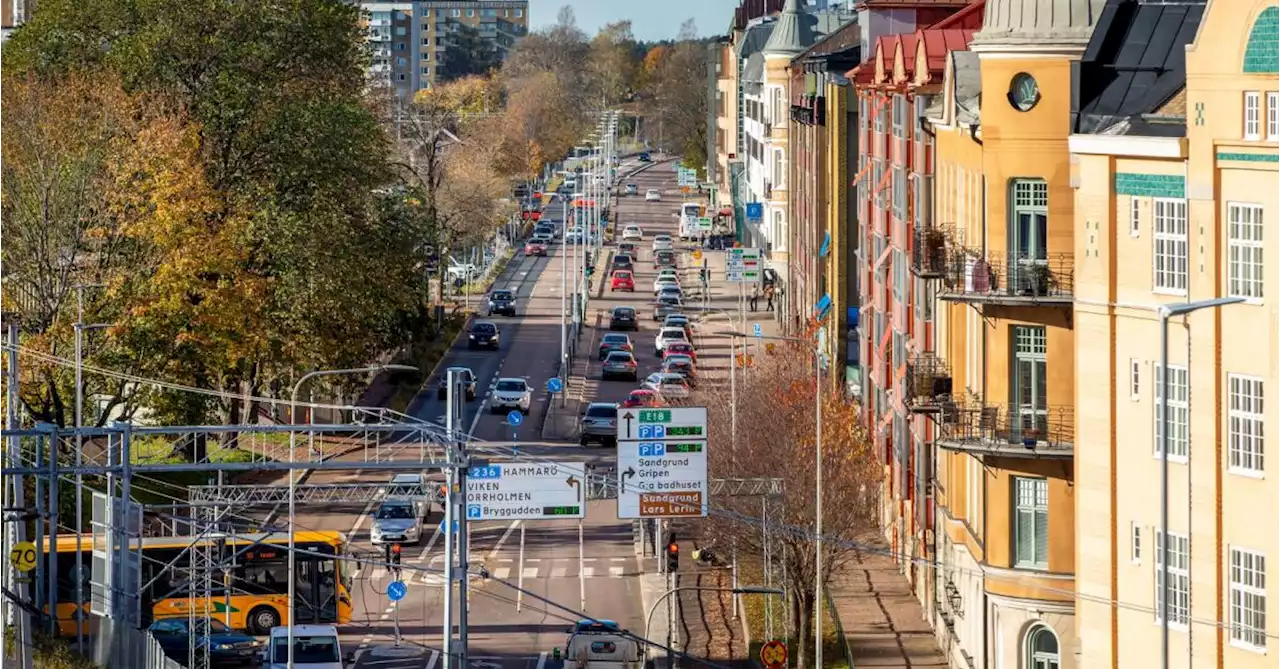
(1176, 201)
(410, 40)
(12, 14)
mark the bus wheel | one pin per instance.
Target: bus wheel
(262, 619)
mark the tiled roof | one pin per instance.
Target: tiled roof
(1134, 66)
(909, 4)
(938, 42)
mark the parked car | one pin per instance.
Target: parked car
(623, 280)
(653, 195)
(642, 397)
(644, 157)
(599, 424)
(536, 246)
(503, 302)
(668, 386)
(666, 336)
(222, 645)
(620, 364)
(665, 306)
(632, 233)
(611, 342)
(511, 393)
(468, 382)
(632, 189)
(396, 521)
(623, 318)
(484, 334)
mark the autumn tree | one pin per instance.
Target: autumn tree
(775, 423)
(612, 66)
(676, 89)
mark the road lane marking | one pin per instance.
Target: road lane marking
(530, 572)
(588, 572)
(587, 559)
(559, 572)
(622, 559)
(430, 544)
(498, 546)
(542, 660)
(431, 663)
(616, 571)
(502, 573)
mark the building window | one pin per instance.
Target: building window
(1252, 115)
(1029, 237)
(400, 31)
(1031, 523)
(1244, 423)
(1179, 411)
(1273, 116)
(1244, 251)
(400, 77)
(1171, 246)
(1042, 648)
(400, 62)
(471, 13)
(1135, 379)
(878, 112)
(519, 13)
(399, 46)
(1135, 216)
(899, 192)
(426, 11)
(1179, 556)
(426, 71)
(426, 41)
(779, 170)
(1135, 542)
(426, 56)
(456, 12)
(1248, 592)
(899, 113)
(1028, 388)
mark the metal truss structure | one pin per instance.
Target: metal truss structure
(747, 487)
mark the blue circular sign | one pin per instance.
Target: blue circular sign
(396, 591)
(554, 385)
(515, 418)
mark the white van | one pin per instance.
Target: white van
(314, 647)
(689, 212)
(603, 649)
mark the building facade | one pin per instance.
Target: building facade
(410, 40)
(1176, 198)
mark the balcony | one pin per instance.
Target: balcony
(929, 384)
(812, 110)
(1012, 280)
(1007, 430)
(929, 253)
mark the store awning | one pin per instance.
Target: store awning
(727, 211)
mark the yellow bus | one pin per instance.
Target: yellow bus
(253, 588)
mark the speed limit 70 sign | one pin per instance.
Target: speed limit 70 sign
(23, 556)
(773, 655)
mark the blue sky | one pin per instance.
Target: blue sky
(650, 19)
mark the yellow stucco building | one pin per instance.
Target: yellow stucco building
(1176, 202)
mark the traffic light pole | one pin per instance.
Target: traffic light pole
(453, 420)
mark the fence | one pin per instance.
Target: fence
(835, 619)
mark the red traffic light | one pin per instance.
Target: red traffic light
(395, 549)
(673, 548)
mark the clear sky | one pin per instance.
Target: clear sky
(650, 19)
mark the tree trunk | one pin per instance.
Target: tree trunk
(801, 641)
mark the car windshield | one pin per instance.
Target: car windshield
(614, 339)
(622, 259)
(395, 512)
(502, 295)
(484, 328)
(602, 411)
(512, 386)
(672, 333)
(622, 275)
(306, 649)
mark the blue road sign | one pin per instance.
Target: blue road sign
(396, 591)
(515, 418)
(473, 513)
(455, 526)
(757, 330)
(554, 385)
(755, 210)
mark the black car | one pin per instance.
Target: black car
(664, 258)
(484, 334)
(623, 318)
(644, 157)
(468, 380)
(623, 261)
(502, 302)
(225, 646)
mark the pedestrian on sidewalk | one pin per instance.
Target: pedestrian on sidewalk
(755, 297)
(768, 296)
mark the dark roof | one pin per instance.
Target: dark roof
(753, 9)
(755, 38)
(847, 35)
(1135, 63)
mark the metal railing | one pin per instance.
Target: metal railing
(929, 252)
(973, 426)
(929, 380)
(1016, 277)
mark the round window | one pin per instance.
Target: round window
(1024, 92)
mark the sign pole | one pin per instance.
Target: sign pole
(582, 571)
(452, 421)
(520, 576)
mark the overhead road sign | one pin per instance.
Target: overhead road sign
(526, 491)
(662, 463)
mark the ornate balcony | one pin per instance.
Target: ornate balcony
(929, 253)
(1007, 430)
(1010, 279)
(929, 383)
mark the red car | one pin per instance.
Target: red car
(679, 348)
(623, 280)
(642, 398)
(534, 248)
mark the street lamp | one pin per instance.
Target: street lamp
(293, 485)
(1166, 312)
(817, 438)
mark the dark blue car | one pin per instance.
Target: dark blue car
(225, 646)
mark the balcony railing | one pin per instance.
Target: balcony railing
(1011, 279)
(929, 253)
(929, 381)
(1007, 430)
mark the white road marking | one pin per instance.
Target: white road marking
(616, 571)
(498, 546)
(559, 572)
(618, 559)
(588, 572)
(542, 660)
(530, 572)
(430, 544)
(502, 573)
(533, 559)
(390, 609)
(431, 663)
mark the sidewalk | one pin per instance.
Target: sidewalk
(883, 622)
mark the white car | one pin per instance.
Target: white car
(666, 336)
(671, 291)
(632, 189)
(653, 195)
(660, 284)
(662, 243)
(667, 384)
(397, 521)
(669, 273)
(511, 393)
(314, 647)
(632, 233)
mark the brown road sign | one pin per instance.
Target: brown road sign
(671, 504)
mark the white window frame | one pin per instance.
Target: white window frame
(1135, 379)
(1273, 116)
(1135, 216)
(1247, 598)
(1245, 231)
(1179, 412)
(1135, 542)
(1170, 247)
(1246, 445)
(1179, 579)
(1252, 115)
(1031, 496)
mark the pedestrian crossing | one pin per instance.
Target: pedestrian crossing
(509, 571)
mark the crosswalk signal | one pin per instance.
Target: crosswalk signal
(673, 556)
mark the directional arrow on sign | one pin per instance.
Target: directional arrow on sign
(629, 473)
(575, 483)
(628, 416)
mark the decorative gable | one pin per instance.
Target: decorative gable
(1262, 52)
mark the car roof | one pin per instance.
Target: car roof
(602, 405)
(514, 379)
(624, 309)
(616, 336)
(305, 630)
(642, 391)
(406, 476)
(458, 369)
(620, 353)
(679, 331)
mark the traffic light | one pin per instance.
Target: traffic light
(395, 555)
(673, 555)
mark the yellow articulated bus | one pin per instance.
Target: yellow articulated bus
(251, 594)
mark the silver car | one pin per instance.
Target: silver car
(396, 522)
(665, 306)
(620, 364)
(599, 424)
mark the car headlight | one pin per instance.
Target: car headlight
(472, 336)
(221, 646)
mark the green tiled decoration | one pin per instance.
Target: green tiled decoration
(1250, 157)
(1150, 185)
(1262, 53)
